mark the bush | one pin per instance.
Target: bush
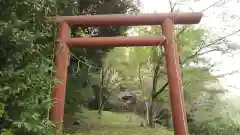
(26, 67)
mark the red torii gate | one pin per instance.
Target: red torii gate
(167, 20)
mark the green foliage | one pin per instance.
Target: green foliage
(26, 66)
(27, 59)
(201, 88)
(214, 127)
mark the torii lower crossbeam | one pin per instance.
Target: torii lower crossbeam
(167, 20)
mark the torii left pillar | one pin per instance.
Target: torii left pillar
(62, 62)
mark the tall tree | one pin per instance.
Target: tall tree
(26, 66)
(141, 66)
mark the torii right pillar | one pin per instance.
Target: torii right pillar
(174, 79)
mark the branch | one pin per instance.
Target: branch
(180, 32)
(202, 80)
(202, 47)
(79, 60)
(158, 118)
(172, 6)
(155, 75)
(222, 38)
(158, 115)
(215, 3)
(109, 76)
(160, 90)
(105, 98)
(229, 73)
(156, 72)
(189, 82)
(139, 77)
(197, 53)
(234, 87)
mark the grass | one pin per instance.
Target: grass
(127, 131)
(113, 123)
(113, 119)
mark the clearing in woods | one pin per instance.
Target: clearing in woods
(113, 123)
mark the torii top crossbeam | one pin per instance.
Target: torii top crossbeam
(128, 20)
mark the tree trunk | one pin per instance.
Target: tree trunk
(100, 111)
(152, 97)
(153, 93)
(94, 104)
(150, 112)
(100, 103)
(147, 111)
(101, 107)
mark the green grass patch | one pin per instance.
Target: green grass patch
(113, 118)
(127, 131)
(113, 123)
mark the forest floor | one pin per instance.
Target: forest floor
(112, 123)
